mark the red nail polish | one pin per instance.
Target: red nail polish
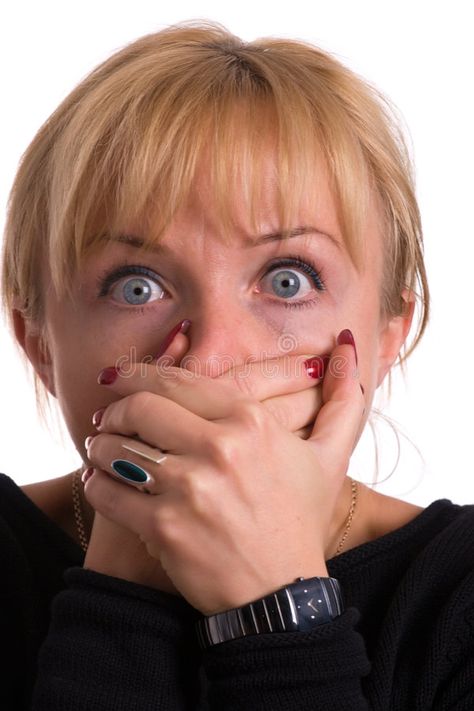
(315, 367)
(346, 338)
(86, 474)
(181, 327)
(97, 416)
(107, 376)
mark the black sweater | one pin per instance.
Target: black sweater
(75, 640)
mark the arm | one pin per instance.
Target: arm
(113, 644)
(321, 669)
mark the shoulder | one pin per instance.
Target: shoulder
(443, 531)
(27, 533)
(452, 526)
(445, 570)
(439, 577)
(14, 504)
(440, 542)
(425, 561)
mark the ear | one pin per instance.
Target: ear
(31, 338)
(393, 335)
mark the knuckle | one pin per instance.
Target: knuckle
(170, 379)
(164, 522)
(280, 413)
(221, 450)
(189, 484)
(244, 383)
(197, 492)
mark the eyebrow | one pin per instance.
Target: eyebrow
(139, 242)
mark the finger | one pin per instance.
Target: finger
(296, 410)
(168, 344)
(176, 350)
(158, 422)
(131, 461)
(270, 377)
(214, 398)
(123, 505)
(338, 421)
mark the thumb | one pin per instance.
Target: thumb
(338, 422)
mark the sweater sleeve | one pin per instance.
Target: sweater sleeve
(277, 672)
(114, 645)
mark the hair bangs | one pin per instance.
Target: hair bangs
(133, 148)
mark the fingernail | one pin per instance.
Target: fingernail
(88, 440)
(315, 367)
(86, 474)
(130, 472)
(107, 376)
(346, 338)
(181, 327)
(97, 416)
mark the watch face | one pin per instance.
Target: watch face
(317, 600)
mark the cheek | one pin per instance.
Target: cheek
(79, 353)
(369, 363)
(362, 316)
(79, 396)
(115, 336)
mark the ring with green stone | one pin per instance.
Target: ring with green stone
(131, 473)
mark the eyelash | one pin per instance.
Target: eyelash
(108, 278)
(306, 266)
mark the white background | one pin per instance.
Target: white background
(421, 55)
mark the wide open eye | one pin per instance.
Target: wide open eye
(132, 285)
(292, 279)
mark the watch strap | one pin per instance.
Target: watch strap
(297, 607)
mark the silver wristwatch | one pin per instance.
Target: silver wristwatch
(298, 607)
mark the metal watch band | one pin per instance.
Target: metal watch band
(298, 607)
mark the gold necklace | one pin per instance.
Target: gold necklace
(78, 513)
(349, 517)
(79, 516)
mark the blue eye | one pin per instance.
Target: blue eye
(287, 283)
(136, 291)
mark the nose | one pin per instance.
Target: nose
(222, 336)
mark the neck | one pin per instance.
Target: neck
(342, 525)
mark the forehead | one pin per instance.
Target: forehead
(232, 193)
(254, 211)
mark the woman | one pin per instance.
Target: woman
(211, 261)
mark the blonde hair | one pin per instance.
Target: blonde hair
(128, 141)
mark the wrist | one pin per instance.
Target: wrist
(297, 607)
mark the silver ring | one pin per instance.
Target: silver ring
(155, 459)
